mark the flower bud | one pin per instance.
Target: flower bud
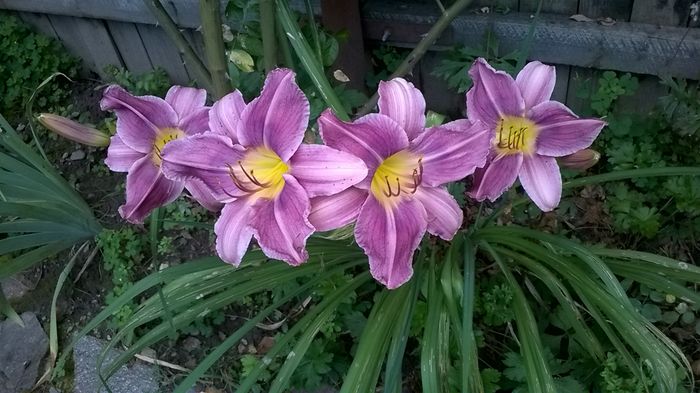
(581, 160)
(73, 130)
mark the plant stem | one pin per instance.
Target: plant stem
(214, 46)
(314, 30)
(420, 49)
(267, 27)
(171, 29)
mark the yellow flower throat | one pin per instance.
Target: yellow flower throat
(259, 173)
(515, 135)
(399, 174)
(164, 136)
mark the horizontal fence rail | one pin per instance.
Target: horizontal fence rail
(653, 37)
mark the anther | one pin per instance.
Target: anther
(390, 193)
(236, 181)
(251, 177)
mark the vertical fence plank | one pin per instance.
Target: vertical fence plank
(195, 39)
(666, 13)
(128, 42)
(617, 9)
(339, 15)
(562, 85)
(582, 83)
(497, 5)
(438, 97)
(565, 7)
(87, 39)
(163, 53)
(39, 21)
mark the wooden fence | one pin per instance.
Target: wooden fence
(650, 37)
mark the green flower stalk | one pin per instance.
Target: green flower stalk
(73, 130)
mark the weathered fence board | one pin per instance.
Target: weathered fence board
(620, 10)
(566, 7)
(88, 39)
(128, 41)
(40, 21)
(661, 12)
(163, 53)
(344, 15)
(632, 47)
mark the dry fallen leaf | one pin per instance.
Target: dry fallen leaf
(340, 76)
(581, 18)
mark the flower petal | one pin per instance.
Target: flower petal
(322, 170)
(233, 231)
(147, 189)
(278, 118)
(372, 138)
(185, 100)
(496, 177)
(196, 122)
(536, 83)
(138, 118)
(281, 225)
(204, 157)
(120, 157)
(444, 214)
(203, 195)
(493, 94)
(405, 104)
(225, 115)
(335, 211)
(452, 151)
(389, 237)
(561, 132)
(541, 180)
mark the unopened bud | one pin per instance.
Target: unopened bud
(73, 130)
(581, 160)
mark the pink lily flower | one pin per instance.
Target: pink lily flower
(253, 161)
(530, 131)
(404, 195)
(145, 125)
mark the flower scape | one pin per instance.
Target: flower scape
(385, 173)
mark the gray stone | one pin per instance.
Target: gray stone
(21, 351)
(135, 378)
(14, 288)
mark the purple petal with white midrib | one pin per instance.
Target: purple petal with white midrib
(225, 115)
(204, 157)
(147, 189)
(389, 237)
(371, 138)
(322, 170)
(281, 225)
(443, 213)
(233, 232)
(561, 132)
(336, 211)
(541, 179)
(184, 100)
(536, 82)
(450, 155)
(138, 118)
(405, 104)
(121, 157)
(278, 118)
(496, 177)
(493, 95)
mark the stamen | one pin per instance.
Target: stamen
(236, 181)
(251, 177)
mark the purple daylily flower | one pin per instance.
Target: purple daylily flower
(403, 194)
(145, 124)
(254, 162)
(530, 131)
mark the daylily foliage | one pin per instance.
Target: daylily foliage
(385, 172)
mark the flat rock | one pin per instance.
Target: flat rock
(134, 378)
(14, 288)
(21, 351)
